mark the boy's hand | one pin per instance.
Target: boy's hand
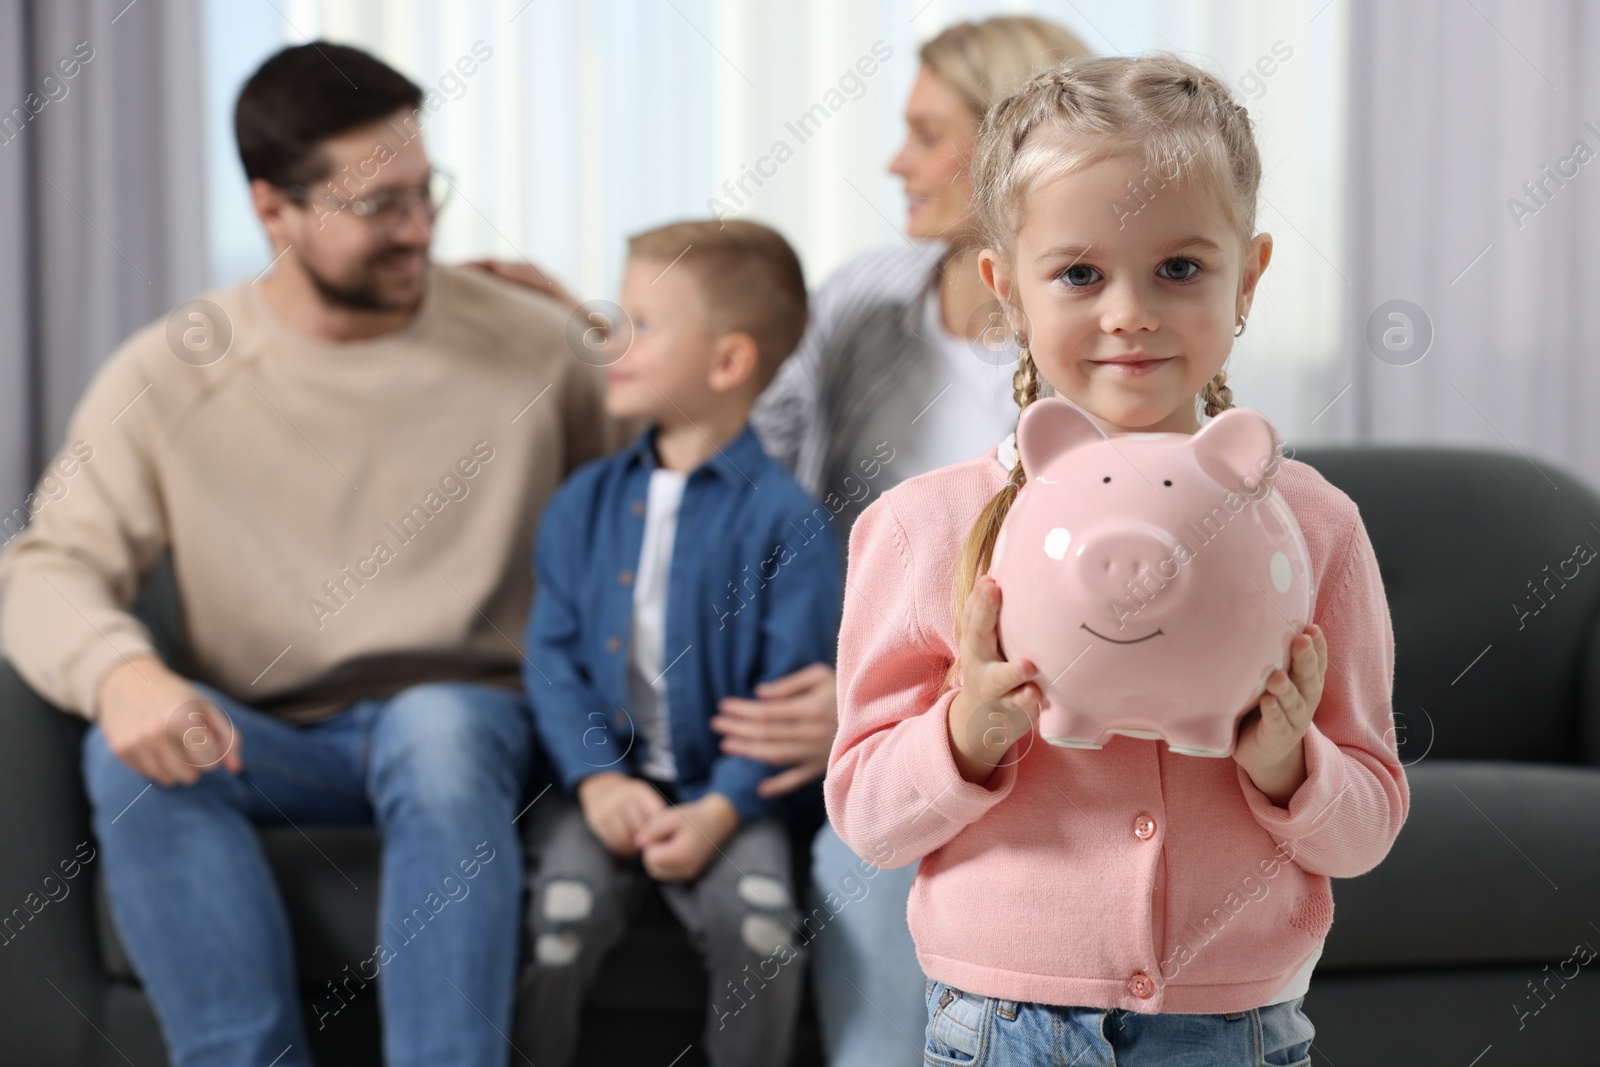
(678, 842)
(1271, 746)
(998, 703)
(616, 807)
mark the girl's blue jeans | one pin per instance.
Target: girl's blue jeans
(438, 768)
(965, 1029)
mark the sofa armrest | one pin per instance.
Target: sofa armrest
(1473, 878)
(52, 987)
(1588, 696)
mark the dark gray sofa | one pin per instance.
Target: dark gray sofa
(1493, 882)
(1496, 876)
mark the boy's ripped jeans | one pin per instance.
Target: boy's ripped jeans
(740, 915)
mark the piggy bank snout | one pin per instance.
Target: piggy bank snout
(1135, 563)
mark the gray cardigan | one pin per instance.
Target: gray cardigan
(863, 341)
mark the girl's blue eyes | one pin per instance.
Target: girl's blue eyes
(1080, 276)
(1179, 262)
(1077, 276)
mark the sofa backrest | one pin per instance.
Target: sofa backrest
(1491, 565)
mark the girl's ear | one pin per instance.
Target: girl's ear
(1240, 449)
(1256, 257)
(997, 276)
(1049, 427)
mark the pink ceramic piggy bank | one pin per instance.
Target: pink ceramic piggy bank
(1155, 579)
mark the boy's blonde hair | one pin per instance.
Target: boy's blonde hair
(748, 275)
(1181, 121)
(986, 61)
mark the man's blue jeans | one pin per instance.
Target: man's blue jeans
(439, 768)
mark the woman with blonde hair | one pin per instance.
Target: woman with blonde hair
(906, 344)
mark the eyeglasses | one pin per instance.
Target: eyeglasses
(388, 209)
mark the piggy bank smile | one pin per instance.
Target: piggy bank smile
(1170, 535)
(1116, 641)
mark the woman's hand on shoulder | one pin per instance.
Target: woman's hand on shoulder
(527, 275)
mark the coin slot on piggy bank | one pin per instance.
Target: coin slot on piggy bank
(1155, 579)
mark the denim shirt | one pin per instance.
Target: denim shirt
(753, 593)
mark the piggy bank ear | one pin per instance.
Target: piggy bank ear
(1239, 448)
(1050, 426)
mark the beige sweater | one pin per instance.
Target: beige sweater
(344, 519)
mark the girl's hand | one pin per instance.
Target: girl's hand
(997, 704)
(1271, 744)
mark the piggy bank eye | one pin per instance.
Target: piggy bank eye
(1107, 478)
(1167, 482)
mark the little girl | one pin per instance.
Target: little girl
(1119, 905)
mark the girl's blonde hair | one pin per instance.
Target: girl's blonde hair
(1181, 121)
(985, 62)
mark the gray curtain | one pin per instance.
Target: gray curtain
(102, 200)
(1453, 108)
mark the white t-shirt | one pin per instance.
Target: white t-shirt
(1301, 982)
(647, 663)
(960, 404)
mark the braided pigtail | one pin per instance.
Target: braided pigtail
(1216, 394)
(978, 550)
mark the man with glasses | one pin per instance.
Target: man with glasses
(345, 461)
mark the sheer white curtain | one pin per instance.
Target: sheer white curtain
(1475, 195)
(595, 119)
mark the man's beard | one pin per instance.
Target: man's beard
(365, 294)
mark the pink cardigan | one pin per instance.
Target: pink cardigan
(1126, 876)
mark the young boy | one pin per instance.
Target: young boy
(684, 569)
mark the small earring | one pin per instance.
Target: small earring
(1022, 342)
(1239, 330)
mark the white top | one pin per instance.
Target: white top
(1300, 983)
(959, 403)
(647, 663)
